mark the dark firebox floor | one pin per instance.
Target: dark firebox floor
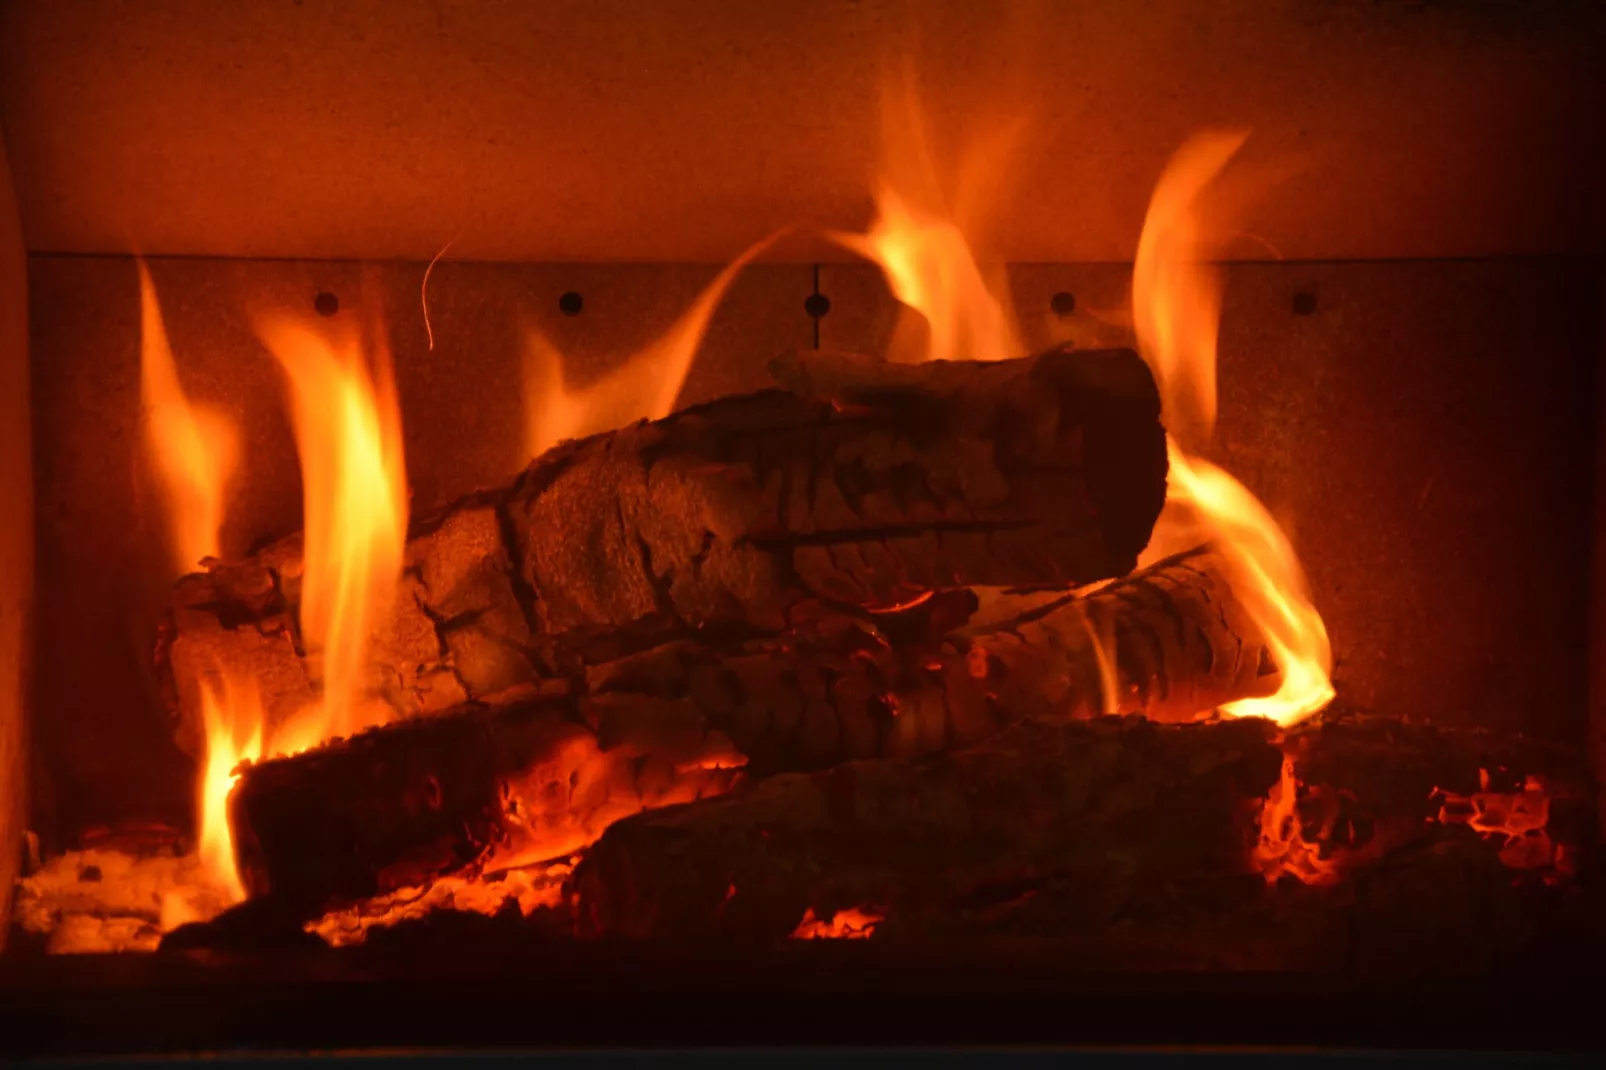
(617, 995)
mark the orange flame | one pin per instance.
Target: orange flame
(348, 433)
(645, 387)
(924, 241)
(857, 923)
(1176, 303)
(233, 724)
(930, 269)
(1281, 848)
(193, 447)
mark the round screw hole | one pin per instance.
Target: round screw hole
(326, 304)
(571, 303)
(1063, 303)
(1304, 303)
(816, 305)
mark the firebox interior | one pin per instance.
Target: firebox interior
(527, 223)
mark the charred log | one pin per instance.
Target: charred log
(1169, 642)
(863, 488)
(414, 800)
(398, 806)
(1110, 807)
(1373, 786)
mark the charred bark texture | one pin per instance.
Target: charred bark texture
(1109, 807)
(861, 488)
(396, 807)
(404, 803)
(1169, 642)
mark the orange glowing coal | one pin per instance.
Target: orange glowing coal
(645, 387)
(856, 923)
(354, 490)
(1519, 820)
(193, 448)
(1176, 301)
(1281, 849)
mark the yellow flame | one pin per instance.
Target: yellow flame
(233, 724)
(193, 448)
(929, 267)
(645, 387)
(348, 433)
(1102, 637)
(1176, 305)
(924, 239)
(1176, 294)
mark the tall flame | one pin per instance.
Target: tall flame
(348, 433)
(1176, 300)
(930, 268)
(193, 448)
(233, 724)
(924, 239)
(645, 387)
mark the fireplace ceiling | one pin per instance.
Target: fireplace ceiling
(684, 130)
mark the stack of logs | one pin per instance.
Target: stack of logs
(845, 642)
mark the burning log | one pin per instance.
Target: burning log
(1371, 786)
(1171, 642)
(865, 488)
(398, 806)
(1110, 806)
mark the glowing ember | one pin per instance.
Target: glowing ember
(1282, 850)
(193, 448)
(643, 388)
(1176, 299)
(101, 900)
(857, 923)
(1519, 819)
(348, 433)
(530, 888)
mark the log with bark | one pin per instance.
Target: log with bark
(395, 807)
(860, 488)
(643, 729)
(1114, 807)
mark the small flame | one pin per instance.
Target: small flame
(1176, 302)
(1282, 849)
(233, 725)
(348, 433)
(645, 387)
(924, 240)
(193, 447)
(1102, 638)
(857, 923)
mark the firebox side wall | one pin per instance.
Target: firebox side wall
(1422, 428)
(16, 539)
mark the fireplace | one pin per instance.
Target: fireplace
(829, 524)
